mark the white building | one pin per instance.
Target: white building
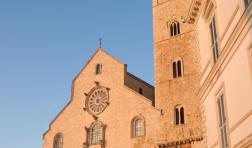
(225, 43)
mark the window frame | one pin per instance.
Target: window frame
(96, 134)
(133, 127)
(90, 137)
(222, 116)
(179, 115)
(55, 140)
(214, 38)
(177, 68)
(98, 69)
(174, 28)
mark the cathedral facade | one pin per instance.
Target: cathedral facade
(194, 102)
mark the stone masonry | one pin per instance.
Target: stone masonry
(155, 104)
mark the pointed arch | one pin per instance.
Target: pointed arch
(174, 28)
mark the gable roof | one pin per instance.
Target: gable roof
(82, 69)
(90, 59)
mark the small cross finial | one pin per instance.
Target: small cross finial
(100, 42)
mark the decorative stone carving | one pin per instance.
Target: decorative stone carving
(97, 100)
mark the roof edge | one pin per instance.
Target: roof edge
(73, 81)
(141, 80)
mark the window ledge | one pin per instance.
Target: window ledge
(138, 137)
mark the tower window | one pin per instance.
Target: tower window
(222, 121)
(174, 28)
(98, 69)
(214, 41)
(177, 68)
(138, 127)
(140, 91)
(58, 141)
(179, 115)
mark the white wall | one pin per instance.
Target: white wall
(234, 75)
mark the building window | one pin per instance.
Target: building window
(174, 28)
(214, 40)
(96, 134)
(58, 141)
(138, 127)
(222, 121)
(179, 115)
(140, 91)
(98, 69)
(246, 2)
(177, 68)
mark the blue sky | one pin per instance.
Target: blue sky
(44, 44)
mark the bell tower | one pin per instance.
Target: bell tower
(176, 69)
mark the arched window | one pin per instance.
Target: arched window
(58, 141)
(138, 127)
(98, 69)
(177, 68)
(179, 115)
(174, 28)
(96, 134)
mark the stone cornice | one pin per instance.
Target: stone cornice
(181, 142)
(194, 11)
